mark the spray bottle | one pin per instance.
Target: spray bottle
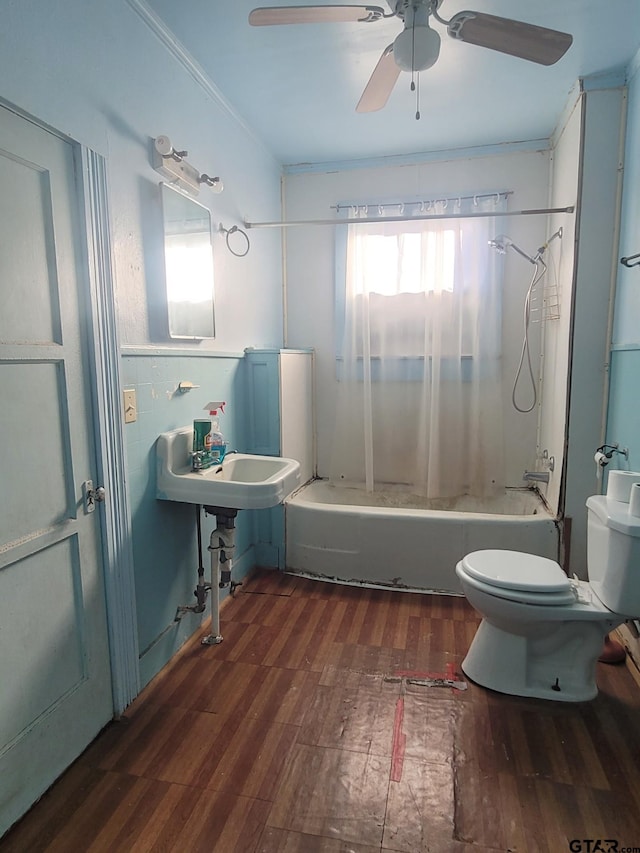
(217, 444)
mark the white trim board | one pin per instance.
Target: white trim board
(116, 517)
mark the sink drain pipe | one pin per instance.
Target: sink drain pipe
(221, 547)
(202, 588)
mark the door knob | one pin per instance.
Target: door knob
(92, 495)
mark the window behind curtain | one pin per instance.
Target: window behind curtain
(405, 262)
(412, 285)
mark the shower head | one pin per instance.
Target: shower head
(501, 243)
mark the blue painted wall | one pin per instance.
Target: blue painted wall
(623, 424)
(101, 73)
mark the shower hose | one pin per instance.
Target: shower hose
(539, 272)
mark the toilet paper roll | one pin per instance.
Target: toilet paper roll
(634, 501)
(619, 485)
(601, 460)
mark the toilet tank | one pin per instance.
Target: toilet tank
(613, 554)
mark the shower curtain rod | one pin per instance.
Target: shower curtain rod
(422, 202)
(359, 221)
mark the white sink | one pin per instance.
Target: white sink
(241, 481)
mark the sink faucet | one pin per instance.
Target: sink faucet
(197, 460)
(536, 476)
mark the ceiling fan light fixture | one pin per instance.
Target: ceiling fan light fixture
(416, 48)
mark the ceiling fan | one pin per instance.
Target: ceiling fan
(417, 46)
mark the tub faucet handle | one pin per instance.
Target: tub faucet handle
(549, 462)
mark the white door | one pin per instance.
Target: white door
(55, 682)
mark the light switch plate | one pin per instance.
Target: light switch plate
(130, 406)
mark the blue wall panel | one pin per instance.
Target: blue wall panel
(623, 426)
(164, 532)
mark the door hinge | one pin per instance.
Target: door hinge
(92, 496)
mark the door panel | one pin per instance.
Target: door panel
(28, 251)
(55, 680)
(48, 640)
(35, 431)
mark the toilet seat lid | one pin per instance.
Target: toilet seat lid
(516, 570)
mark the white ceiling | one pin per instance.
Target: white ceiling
(297, 86)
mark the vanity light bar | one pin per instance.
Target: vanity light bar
(171, 163)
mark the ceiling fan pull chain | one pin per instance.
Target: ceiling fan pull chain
(415, 73)
(413, 52)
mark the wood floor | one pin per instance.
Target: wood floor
(305, 732)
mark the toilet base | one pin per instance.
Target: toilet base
(557, 663)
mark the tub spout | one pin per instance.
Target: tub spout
(536, 476)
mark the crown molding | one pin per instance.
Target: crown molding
(197, 73)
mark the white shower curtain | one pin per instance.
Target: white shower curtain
(419, 401)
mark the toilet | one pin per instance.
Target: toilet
(541, 632)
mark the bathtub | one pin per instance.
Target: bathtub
(398, 540)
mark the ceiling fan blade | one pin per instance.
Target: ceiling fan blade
(376, 92)
(526, 41)
(272, 15)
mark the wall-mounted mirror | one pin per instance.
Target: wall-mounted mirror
(188, 253)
